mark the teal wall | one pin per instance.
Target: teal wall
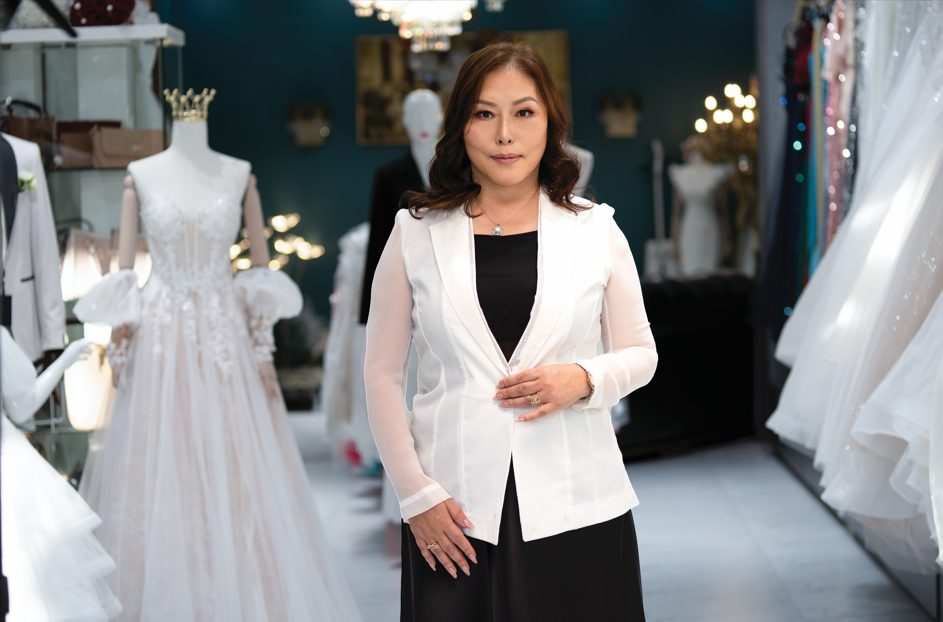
(261, 59)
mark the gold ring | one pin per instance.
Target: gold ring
(432, 546)
(534, 399)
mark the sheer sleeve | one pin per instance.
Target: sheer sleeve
(267, 296)
(630, 358)
(113, 301)
(389, 328)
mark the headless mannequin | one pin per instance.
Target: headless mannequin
(696, 224)
(193, 166)
(191, 162)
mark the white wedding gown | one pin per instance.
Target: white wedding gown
(901, 154)
(54, 565)
(854, 345)
(205, 503)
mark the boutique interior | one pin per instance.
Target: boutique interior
(195, 197)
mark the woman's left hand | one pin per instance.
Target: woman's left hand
(555, 386)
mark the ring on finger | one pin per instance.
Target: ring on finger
(534, 399)
(432, 546)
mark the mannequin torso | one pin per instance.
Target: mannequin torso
(698, 229)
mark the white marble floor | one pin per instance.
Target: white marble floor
(726, 534)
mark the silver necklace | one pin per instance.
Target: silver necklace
(497, 227)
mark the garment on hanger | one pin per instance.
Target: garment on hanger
(339, 378)
(31, 292)
(205, 502)
(904, 135)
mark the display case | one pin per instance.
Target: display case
(92, 103)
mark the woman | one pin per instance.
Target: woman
(525, 308)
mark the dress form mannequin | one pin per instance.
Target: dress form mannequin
(202, 492)
(54, 564)
(422, 118)
(696, 224)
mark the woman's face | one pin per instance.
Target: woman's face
(506, 135)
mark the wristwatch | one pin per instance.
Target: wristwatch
(590, 382)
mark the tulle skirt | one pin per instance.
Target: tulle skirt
(205, 504)
(54, 565)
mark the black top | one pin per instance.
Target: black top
(506, 279)
(390, 182)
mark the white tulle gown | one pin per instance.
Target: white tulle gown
(54, 565)
(901, 154)
(205, 503)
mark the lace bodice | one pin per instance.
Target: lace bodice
(189, 245)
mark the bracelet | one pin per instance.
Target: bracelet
(590, 382)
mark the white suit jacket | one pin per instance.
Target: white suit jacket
(31, 264)
(457, 441)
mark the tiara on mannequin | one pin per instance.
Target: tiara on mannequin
(189, 106)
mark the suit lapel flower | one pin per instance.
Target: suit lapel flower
(25, 181)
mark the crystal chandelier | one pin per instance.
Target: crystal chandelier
(428, 24)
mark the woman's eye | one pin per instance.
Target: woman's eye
(483, 114)
(525, 112)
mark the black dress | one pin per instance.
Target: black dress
(590, 573)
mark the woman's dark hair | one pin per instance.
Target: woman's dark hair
(450, 176)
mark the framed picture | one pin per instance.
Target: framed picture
(387, 71)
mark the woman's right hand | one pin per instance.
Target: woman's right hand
(439, 537)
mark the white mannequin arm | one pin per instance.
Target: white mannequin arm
(24, 403)
(255, 225)
(128, 233)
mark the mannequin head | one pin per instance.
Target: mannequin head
(422, 116)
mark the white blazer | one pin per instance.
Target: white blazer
(457, 441)
(31, 265)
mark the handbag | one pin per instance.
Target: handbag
(74, 142)
(28, 121)
(114, 147)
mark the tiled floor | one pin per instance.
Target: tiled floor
(725, 534)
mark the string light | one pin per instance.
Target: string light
(710, 102)
(700, 126)
(285, 244)
(748, 116)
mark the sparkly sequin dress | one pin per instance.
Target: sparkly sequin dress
(899, 142)
(873, 293)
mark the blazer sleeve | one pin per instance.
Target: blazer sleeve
(45, 259)
(630, 358)
(389, 332)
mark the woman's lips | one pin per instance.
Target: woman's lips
(506, 159)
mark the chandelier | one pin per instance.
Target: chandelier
(427, 24)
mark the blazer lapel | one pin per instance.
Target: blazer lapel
(454, 254)
(557, 239)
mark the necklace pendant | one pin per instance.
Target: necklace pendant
(497, 230)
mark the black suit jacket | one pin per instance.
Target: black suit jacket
(389, 183)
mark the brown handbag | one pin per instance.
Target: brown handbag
(117, 147)
(74, 142)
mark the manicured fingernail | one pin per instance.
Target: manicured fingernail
(467, 523)
(473, 558)
(506, 403)
(466, 571)
(453, 572)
